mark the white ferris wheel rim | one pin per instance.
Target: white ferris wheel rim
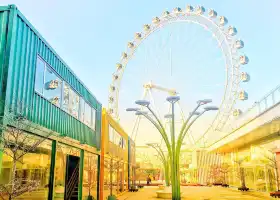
(226, 43)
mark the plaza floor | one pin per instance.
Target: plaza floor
(199, 193)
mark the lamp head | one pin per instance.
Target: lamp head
(140, 112)
(168, 116)
(142, 103)
(194, 113)
(204, 101)
(173, 99)
(132, 109)
(208, 108)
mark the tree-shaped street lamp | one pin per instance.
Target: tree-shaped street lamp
(173, 146)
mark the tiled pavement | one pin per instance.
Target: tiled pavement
(199, 193)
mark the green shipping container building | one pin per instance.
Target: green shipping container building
(37, 84)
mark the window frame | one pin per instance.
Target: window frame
(60, 106)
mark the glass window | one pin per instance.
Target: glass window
(74, 103)
(82, 109)
(90, 176)
(93, 117)
(71, 100)
(66, 97)
(117, 139)
(39, 79)
(87, 114)
(124, 143)
(111, 134)
(52, 87)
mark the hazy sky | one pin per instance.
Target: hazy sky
(91, 35)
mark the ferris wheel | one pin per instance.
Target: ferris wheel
(228, 42)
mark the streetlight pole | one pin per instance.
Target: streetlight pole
(173, 147)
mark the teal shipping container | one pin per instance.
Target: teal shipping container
(54, 150)
(33, 75)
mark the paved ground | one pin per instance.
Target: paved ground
(199, 193)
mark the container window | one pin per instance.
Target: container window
(52, 87)
(74, 103)
(71, 100)
(111, 134)
(82, 109)
(66, 97)
(87, 115)
(93, 118)
(39, 79)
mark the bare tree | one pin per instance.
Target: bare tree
(113, 164)
(224, 169)
(215, 173)
(91, 174)
(15, 143)
(272, 162)
(241, 171)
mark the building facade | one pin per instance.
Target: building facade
(50, 122)
(117, 158)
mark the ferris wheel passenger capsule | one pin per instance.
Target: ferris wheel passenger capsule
(212, 13)
(239, 44)
(124, 55)
(111, 99)
(111, 111)
(200, 10)
(156, 20)
(138, 35)
(223, 20)
(165, 13)
(232, 30)
(237, 112)
(243, 95)
(115, 77)
(130, 45)
(243, 60)
(245, 77)
(189, 8)
(119, 66)
(112, 88)
(177, 10)
(147, 27)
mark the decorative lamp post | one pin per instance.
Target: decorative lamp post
(173, 146)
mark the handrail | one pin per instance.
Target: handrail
(71, 184)
(266, 103)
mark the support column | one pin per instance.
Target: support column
(254, 172)
(52, 170)
(266, 180)
(81, 175)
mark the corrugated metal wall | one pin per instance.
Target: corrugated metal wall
(3, 59)
(27, 44)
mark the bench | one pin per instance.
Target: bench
(275, 194)
(133, 189)
(243, 188)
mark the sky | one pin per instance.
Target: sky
(91, 35)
